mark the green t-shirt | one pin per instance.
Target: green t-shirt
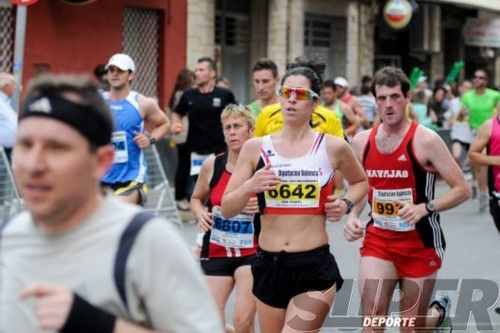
(255, 108)
(481, 108)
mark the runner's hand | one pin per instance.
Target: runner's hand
(205, 221)
(141, 140)
(252, 206)
(176, 128)
(335, 208)
(264, 179)
(409, 212)
(353, 229)
(52, 304)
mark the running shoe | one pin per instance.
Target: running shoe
(443, 302)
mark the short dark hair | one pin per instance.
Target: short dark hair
(265, 63)
(100, 70)
(329, 83)
(311, 69)
(365, 89)
(390, 76)
(78, 89)
(210, 61)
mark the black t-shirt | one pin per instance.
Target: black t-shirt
(203, 110)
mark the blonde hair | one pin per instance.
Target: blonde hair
(238, 111)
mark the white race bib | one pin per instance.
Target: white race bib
(299, 188)
(196, 162)
(385, 210)
(119, 140)
(236, 232)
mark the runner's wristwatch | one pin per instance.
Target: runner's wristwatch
(349, 204)
(429, 206)
(152, 139)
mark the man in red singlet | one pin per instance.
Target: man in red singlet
(403, 240)
(489, 137)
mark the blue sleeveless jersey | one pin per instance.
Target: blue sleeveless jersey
(129, 163)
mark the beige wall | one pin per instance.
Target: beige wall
(277, 32)
(296, 16)
(200, 30)
(258, 22)
(366, 41)
(359, 39)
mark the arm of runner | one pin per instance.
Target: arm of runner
(432, 153)
(354, 122)
(359, 112)
(180, 110)
(244, 182)
(354, 227)
(155, 119)
(344, 160)
(477, 146)
(176, 123)
(201, 194)
(58, 308)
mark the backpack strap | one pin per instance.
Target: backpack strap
(127, 240)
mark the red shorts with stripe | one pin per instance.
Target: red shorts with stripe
(404, 249)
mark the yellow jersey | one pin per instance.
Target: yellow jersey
(270, 120)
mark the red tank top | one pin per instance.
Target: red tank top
(399, 176)
(494, 149)
(234, 237)
(347, 98)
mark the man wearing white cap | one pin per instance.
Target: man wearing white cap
(131, 111)
(342, 90)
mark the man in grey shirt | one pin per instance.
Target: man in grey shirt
(77, 261)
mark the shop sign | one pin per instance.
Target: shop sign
(482, 32)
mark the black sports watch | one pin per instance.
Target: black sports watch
(349, 204)
(429, 206)
(152, 139)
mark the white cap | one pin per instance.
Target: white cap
(422, 79)
(340, 81)
(122, 61)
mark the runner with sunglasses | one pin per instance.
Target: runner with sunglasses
(292, 173)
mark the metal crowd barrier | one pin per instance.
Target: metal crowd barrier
(159, 199)
(10, 201)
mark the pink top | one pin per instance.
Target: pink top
(494, 149)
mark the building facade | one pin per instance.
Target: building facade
(65, 38)
(163, 36)
(350, 35)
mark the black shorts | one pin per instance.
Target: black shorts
(224, 266)
(280, 276)
(495, 210)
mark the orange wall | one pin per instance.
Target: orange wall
(76, 38)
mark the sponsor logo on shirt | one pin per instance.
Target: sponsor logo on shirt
(387, 173)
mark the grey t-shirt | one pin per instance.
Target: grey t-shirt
(164, 284)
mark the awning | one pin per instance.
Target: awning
(491, 5)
